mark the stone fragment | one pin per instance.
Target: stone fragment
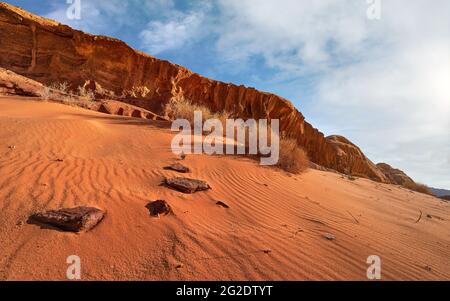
(71, 219)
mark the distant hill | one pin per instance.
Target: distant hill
(440, 192)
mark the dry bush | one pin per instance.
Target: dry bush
(418, 187)
(61, 87)
(68, 100)
(293, 158)
(46, 93)
(180, 108)
(86, 93)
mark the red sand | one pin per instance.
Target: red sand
(116, 164)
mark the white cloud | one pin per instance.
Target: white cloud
(95, 17)
(177, 28)
(385, 84)
(292, 35)
(109, 16)
(171, 34)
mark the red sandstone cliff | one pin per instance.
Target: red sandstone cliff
(49, 52)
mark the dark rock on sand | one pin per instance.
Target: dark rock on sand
(222, 204)
(186, 185)
(178, 167)
(73, 219)
(159, 208)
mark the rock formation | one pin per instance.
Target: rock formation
(352, 160)
(395, 176)
(49, 52)
(14, 84)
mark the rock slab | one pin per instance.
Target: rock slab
(158, 208)
(187, 185)
(77, 219)
(178, 168)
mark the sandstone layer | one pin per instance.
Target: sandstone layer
(49, 52)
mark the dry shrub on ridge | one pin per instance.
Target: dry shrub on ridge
(46, 93)
(181, 108)
(293, 158)
(421, 188)
(62, 87)
(86, 93)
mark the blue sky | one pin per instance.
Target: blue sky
(384, 84)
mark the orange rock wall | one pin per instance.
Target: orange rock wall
(49, 52)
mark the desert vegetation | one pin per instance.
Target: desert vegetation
(61, 92)
(181, 108)
(85, 93)
(418, 187)
(46, 93)
(62, 87)
(293, 158)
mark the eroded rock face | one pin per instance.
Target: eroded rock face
(395, 176)
(352, 160)
(186, 185)
(73, 219)
(14, 84)
(49, 52)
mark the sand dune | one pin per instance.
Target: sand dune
(273, 230)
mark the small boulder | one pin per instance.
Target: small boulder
(329, 236)
(186, 185)
(178, 167)
(159, 208)
(73, 219)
